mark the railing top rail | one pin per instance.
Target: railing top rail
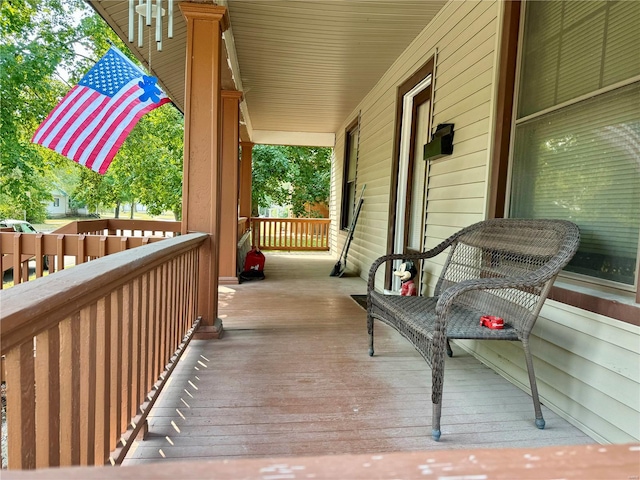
(32, 307)
(87, 226)
(274, 219)
(155, 225)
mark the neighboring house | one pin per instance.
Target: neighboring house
(60, 205)
(570, 149)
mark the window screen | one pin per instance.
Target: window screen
(577, 138)
(582, 164)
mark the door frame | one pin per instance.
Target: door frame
(409, 84)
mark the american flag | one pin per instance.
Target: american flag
(94, 118)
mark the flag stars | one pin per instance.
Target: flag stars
(110, 74)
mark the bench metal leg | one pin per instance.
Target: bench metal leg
(370, 331)
(435, 421)
(534, 387)
(437, 381)
(449, 351)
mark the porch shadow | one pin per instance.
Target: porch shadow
(292, 377)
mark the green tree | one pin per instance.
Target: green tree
(40, 41)
(291, 176)
(95, 190)
(146, 170)
(35, 39)
(270, 176)
(310, 177)
(148, 167)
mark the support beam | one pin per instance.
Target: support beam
(201, 196)
(246, 163)
(230, 116)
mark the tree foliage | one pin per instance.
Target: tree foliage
(36, 38)
(147, 169)
(46, 46)
(291, 176)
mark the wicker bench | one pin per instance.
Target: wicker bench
(501, 267)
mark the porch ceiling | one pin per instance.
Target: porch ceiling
(303, 65)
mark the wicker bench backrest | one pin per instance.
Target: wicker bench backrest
(509, 248)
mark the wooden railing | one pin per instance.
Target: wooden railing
(290, 233)
(54, 252)
(76, 243)
(122, 227)
(86, 350)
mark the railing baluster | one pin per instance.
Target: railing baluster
(136, 310)
(102, 445)
(87, 413)
(81, 257)
(21, 402)
(116, 373)
(102, 246)
(179, 292)
(125, 358)
(173, 293)
(18, 273)
(38, 249)
(60, 252)
(160, 319)
(70, 391)
(47, 380)
(144, 335)
(151, 342)
(170, 321)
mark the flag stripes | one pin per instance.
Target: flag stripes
(92, 121)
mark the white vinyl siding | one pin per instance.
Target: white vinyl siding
(465, 35)
(586, 364)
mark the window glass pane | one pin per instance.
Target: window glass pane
(349, 177)
(574, 48)
(353, 155)
(622, 55)
(582, 163)
(579, 73)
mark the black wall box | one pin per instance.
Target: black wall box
(441, 144)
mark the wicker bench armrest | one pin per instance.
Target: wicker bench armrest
(405, 256)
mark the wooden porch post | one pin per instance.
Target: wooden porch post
(201, 196)
(245, 179)
(228, 273)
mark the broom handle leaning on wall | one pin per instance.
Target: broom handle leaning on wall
(353, 224)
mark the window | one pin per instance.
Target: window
(56, 202)
(349, 174)
(577, 131)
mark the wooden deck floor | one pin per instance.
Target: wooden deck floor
(291, 377)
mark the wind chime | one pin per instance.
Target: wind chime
(145, 11)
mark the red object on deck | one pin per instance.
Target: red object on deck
(494, 323)
(254, 261)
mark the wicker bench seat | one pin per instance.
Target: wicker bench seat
(501, 267)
